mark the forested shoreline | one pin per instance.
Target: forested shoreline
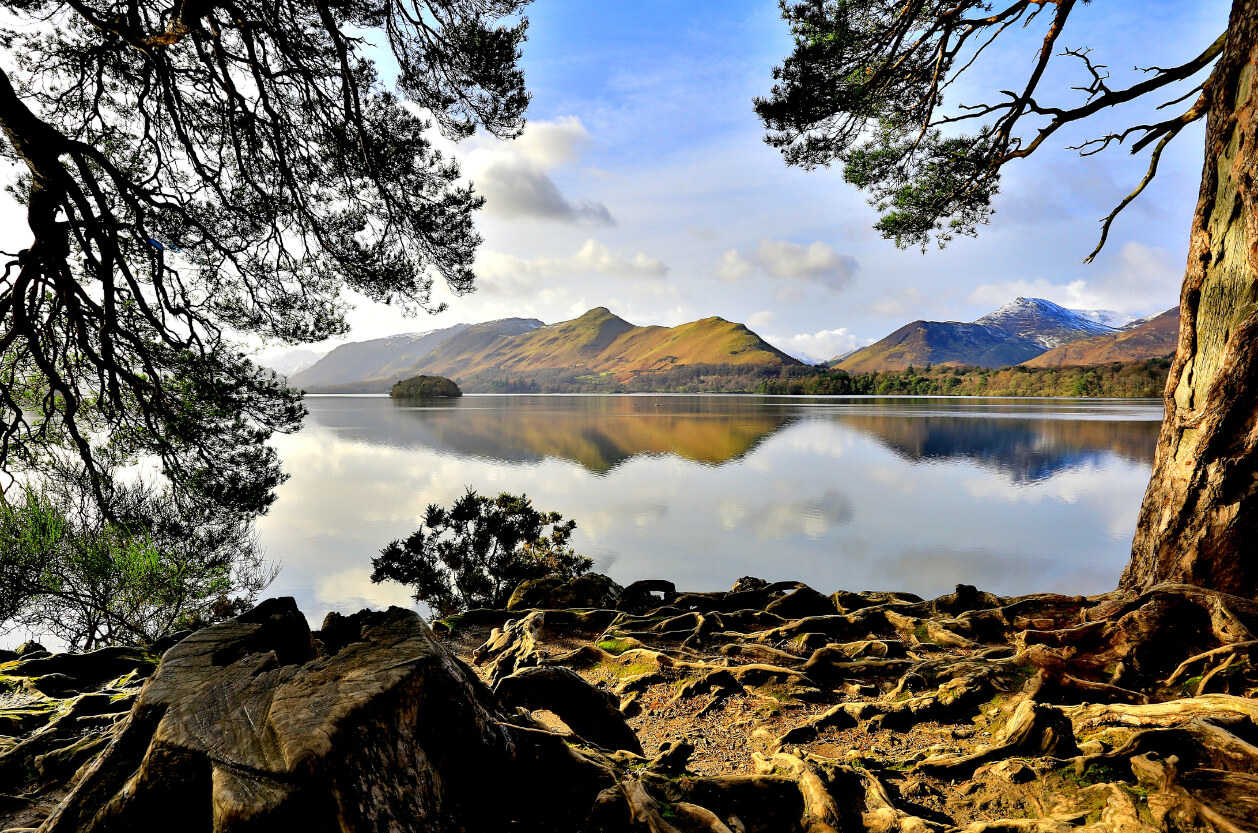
(1129, 379)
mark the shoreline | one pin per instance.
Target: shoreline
(766, 707)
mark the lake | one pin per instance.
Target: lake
(859, 493)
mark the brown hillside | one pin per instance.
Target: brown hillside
(604, 344)
(1152, 340)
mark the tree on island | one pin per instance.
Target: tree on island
(865, 87)
(418, 387)
(196, 172)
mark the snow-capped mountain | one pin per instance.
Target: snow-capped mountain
(1110, 318)
(1044, 322)
(1018, 331)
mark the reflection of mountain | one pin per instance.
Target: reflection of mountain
(601, 432)
(598, 433)
(1026, 449)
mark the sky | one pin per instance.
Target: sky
(642, 183)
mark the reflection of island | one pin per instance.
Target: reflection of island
(1024, 449)
(1029, 444)
(598, 433)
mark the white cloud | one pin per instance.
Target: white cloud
(819, 346)
(816, 263)
(763, 318)
(509, 274)
(896, 304)
(514, 177)
(1138, 279)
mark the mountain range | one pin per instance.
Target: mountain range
(1148, 339)
(601, 351)
(1024, 331)
(597, 345)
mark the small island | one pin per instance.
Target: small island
(423, 387)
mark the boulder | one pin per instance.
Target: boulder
(245, 727)
(591, 713)
(86, 671)
(748, 583)
(590, 590)
(801, 603)
(30, 647)
(641, 596)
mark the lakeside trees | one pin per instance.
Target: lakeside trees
(865, 87)
(196, 173)
(194, 176)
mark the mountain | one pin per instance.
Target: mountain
(1108, 317)
(1044, 322)
(1155, 338)
(1016, 332)
(596, 346)
(383, 361)
(291, 361)
(942, 342)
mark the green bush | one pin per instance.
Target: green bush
(475, 553)
(141, 569)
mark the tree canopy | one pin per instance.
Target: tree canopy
(200, 172)
(868, 86)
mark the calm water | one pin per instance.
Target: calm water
(1014, 495)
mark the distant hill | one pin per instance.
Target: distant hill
(292, 361)
(380, 362)
(941, 343)
(1016, 332)
(1155, 338)
(598, 347)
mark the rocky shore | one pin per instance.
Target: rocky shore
(594, 708)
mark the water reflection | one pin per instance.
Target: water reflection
(597, 432)
(1026, 440)
(1014, 495)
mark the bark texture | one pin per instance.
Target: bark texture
(1199, 521)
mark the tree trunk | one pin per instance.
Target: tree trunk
(1199, 521)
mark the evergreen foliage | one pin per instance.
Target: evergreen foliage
(475, 553)
(1130, 379)
(152, 567)
(195, 172)
(418, 387)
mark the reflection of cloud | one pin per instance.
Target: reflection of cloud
(816, 263)
(351, 590)
(1003, 573)
(774, 520)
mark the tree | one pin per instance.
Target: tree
(865, 86)
(198, 172)
(147, 568)
(478, 551)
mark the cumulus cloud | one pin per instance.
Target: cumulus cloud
(514, 177)
(511, 274)
(820, 346)
(815, 263)
(1138, 279)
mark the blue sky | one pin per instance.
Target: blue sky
(642, 184)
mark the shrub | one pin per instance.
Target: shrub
(475, 553)
(129, 575)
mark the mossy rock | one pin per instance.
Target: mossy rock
(425, 387)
